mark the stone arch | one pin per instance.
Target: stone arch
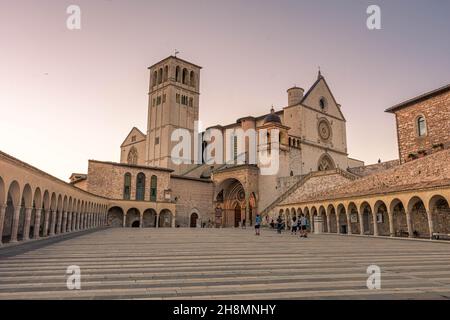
(193, 220)
(165, 218)
(440, 214)
(418, 218)
(367, 218)
(177, 74)
(192, 79)
(133, 216)
(354, 218)
(325, 163)
(380, 211)
(115, 217)
(323, 215)
(184, 78)
(332, 219)
(2, 193)
(149, 218)
(140, 186)
(342, 219)
(397, 209)
(13, 201)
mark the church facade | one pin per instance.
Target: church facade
(312, 137)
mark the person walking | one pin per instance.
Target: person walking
(294, 225)
(258, 224)
(303, 224)
(279, 224)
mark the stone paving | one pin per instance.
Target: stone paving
(223, 264)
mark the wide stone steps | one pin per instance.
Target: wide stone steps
(224, 264)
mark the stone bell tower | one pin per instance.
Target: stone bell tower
(173, 103)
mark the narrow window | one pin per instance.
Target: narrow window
(421, 126)
(127, 186)
(140, 187)
(153, 188)
(235, 150)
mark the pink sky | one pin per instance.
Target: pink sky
(69, 96)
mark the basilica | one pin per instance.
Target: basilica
(312, 136)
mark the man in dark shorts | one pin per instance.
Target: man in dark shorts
(257, 224)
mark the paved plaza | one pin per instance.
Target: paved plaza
(223, 264)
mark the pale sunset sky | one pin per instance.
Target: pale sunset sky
(69, 96)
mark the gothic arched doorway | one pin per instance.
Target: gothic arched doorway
(194, 218)
(325, 163)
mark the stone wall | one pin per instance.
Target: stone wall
(436, 111)
(107, 179)
(374, 168)
(192, 195)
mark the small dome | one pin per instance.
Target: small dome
(272, 117)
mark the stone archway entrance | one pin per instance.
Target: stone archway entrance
(193, 222)
(234, 201)
(135, 224)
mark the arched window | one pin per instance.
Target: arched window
(166, 73)
(155, 78)
(127, 186)
(132, 156)
(192, 79)
(185, 76)
(153, 188)
(140, 187)
(323, 104)
(160, 75)
(177, 74)
(421, 126)
(325, 163)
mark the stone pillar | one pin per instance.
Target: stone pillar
(53, 224)
(361, 222)
(328, 224)
(391, 224)
(375, 224)
(59, 223)
(69, 222)
(46, 222)
(247, 212)
(37, 223)
(409, 224)
(157, 220)
(311, 223)
(173, 221)
(64, 222)
(124, 223)
(349, 224)
(26, 226)
(2, 220)
(338, 225)
(15, 225)
(141, 220)
(430, 223)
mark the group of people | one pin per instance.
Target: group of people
(300, 224)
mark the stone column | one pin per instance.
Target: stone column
(64, 222)
(391, 224)
(69, 222)
(157, 220)
(124, 223)
(15, 225)
(46, 222)
(338, 225)
(247, 212)
(375, 224)
(26, 227)
(141, 220)
(37, 223)
(349, 224)
(328, 224)
(53, 224)
(361, 222)
(59, 223)
(409, 224)
(430, 223)
(173, 221)
(2, 220)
